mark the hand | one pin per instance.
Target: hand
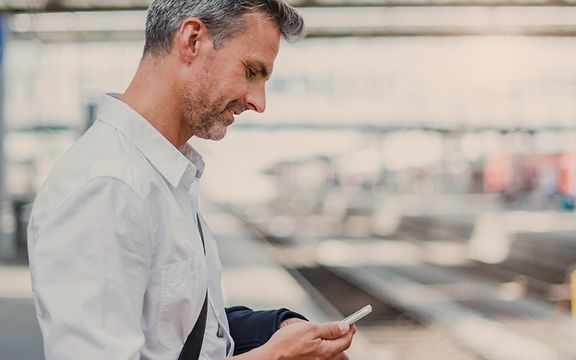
(290, 321)
(340, 356)
(307, 341)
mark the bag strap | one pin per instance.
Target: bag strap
(193, 344)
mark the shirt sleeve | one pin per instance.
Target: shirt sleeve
(89, 261)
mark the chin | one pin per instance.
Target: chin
(218, 138)
(216, 133)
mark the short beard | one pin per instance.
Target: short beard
(204, 121)
(213, 128)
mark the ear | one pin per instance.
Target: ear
(189, 39)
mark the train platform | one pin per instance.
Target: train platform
(245, 260)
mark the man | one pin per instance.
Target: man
(123, 267)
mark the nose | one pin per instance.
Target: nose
(256, 98)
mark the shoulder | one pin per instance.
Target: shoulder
(103, 158)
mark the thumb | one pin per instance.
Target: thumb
(333, 330)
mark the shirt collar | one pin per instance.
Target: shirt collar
(177, 166)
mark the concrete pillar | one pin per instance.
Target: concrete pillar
(7, 219)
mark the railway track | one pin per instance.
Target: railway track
(540, 267)
(427, 311)
(391, 331)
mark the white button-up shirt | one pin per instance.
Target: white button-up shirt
(118, 267)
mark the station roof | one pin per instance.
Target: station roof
(324, 18)
(19, 6)
(323, 22)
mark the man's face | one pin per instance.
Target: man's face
(232, 79)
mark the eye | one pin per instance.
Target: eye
(250, 73)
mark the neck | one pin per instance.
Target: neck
(153, 94)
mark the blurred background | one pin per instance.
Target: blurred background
(417, 155)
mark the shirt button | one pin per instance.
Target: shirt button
(220, 332)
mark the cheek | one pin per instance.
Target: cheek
(231, 89)
(233, 86)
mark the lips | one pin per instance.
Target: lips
(230, 117)
(234, 110)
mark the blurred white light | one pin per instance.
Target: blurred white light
(414, 149)
(357, 253)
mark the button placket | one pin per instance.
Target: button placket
(193, 188)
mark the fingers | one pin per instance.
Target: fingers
(340, 356)
(341, 344)
(333, 330)
(334, 348)
(312, 341)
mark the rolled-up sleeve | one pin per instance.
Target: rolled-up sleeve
(89, 261)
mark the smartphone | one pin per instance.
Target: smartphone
(358, 315)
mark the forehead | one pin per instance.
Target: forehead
(259, 40)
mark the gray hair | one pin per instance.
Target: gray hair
(222, 18)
